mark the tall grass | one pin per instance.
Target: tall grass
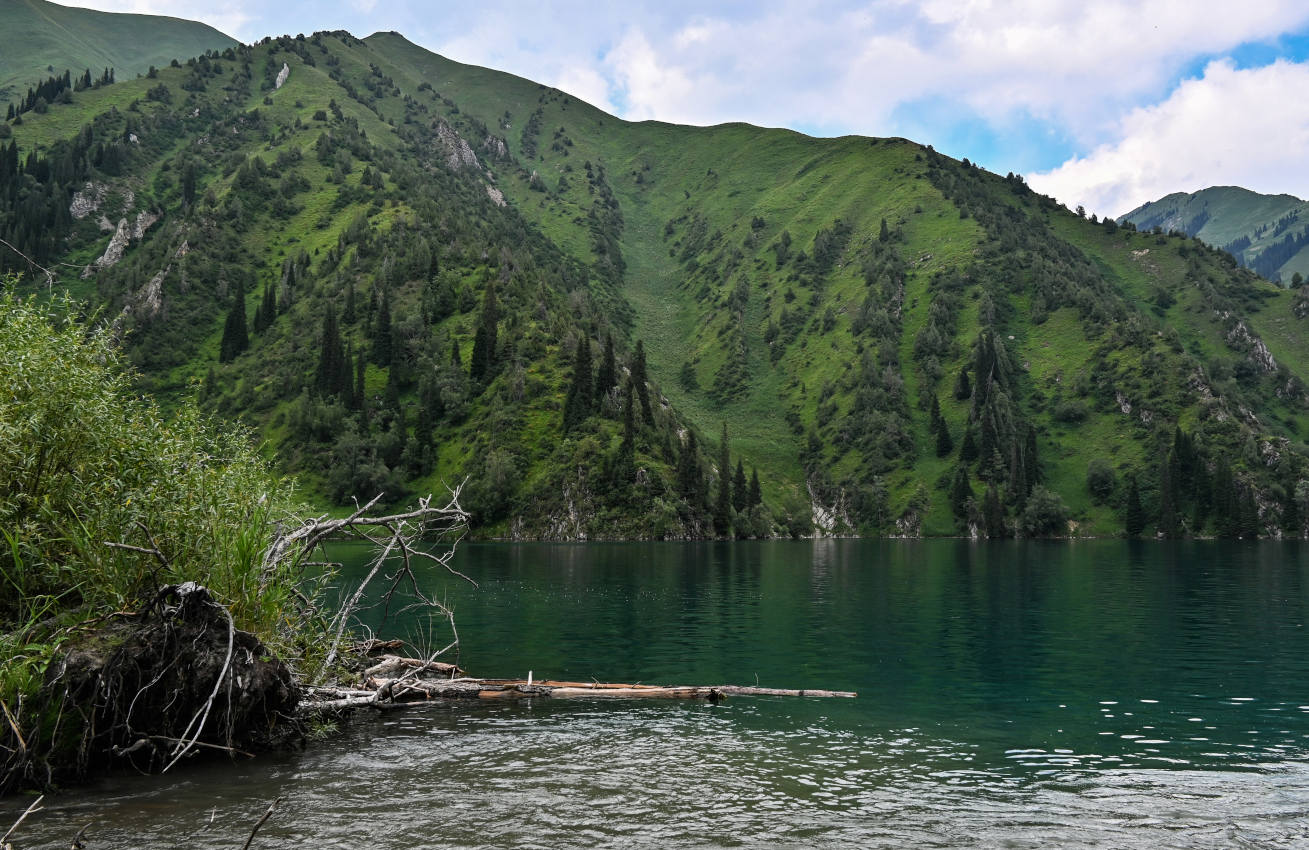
(85, 462)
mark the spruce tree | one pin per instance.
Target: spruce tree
(723, 504)
(993, 514)
(628, 447)
(1168, 524)
(688, 471)
(358, 397)
(330, 354)
(968, 450)
(235, 336)
(740, 493)
(382, 331)
(1134, 518)
(963, 389)
(944, 443)
(348, 314)
(934, 418)
(1225, 502)
(481, 364)
(1032, 461)
(961, 492)
(577, 405)
(606, 376)
(756, 494)
(639, 379)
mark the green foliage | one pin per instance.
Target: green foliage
(86, 461)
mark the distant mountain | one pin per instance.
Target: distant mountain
(42, 39)
(402, 270)
(1266, 233)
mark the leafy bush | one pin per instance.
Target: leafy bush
(85, 462)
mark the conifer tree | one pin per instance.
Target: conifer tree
(968, 450)
(756, 494)
(723, 504)
(481, 364)
(358, 397)
(606, 376)
(1031, 461)
(993, 514)
(963, 388)
(628, 447)
(740, 491)
(577, 405)
(639, 381)
(1225, 503)
(961, 492)
(1134, 519)
(1168, 524)
(688, 471)
(344, 385)
(235, 336)
(934, 418)
(348, 314)
(944, 443)
(330, 355)
(382, 331)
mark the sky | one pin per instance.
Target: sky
(1101, 103)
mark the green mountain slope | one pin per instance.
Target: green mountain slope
(42, 39)
(1267, 233)
(404, 270)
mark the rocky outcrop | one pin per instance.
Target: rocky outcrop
(495, 148)
(87, 200)
(459, 155)
(497, 197)
(282, 75)
(144, 221)
(830, 520)
(114, 251)
(1241, 339)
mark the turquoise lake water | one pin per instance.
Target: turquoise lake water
(1018, 694)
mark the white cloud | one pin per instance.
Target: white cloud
(1230, 127)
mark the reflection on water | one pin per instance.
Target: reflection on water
(1019, 695)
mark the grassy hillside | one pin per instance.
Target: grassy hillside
(42, 39)
(1267, 233)
(404, 270)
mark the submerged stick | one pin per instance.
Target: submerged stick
(272, 807)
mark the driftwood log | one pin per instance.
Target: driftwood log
(381, 688)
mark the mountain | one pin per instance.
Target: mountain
(401, 270)
(1267, 233)
(43, 39)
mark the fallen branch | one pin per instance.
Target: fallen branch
(272, 807)
(35, 807)
(380, 692)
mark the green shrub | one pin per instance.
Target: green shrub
(86, 462)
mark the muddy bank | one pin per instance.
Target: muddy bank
(148, 689)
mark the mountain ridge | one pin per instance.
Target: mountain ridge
(45, 38)
(899, 343)
(1260, 230)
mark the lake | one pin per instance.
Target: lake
(1011, 694)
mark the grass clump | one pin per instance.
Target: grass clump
(85, 462)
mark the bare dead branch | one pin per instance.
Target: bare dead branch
(35, 807)
(272, 807)
(198, 721)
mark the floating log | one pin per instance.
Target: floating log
(384, 692)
